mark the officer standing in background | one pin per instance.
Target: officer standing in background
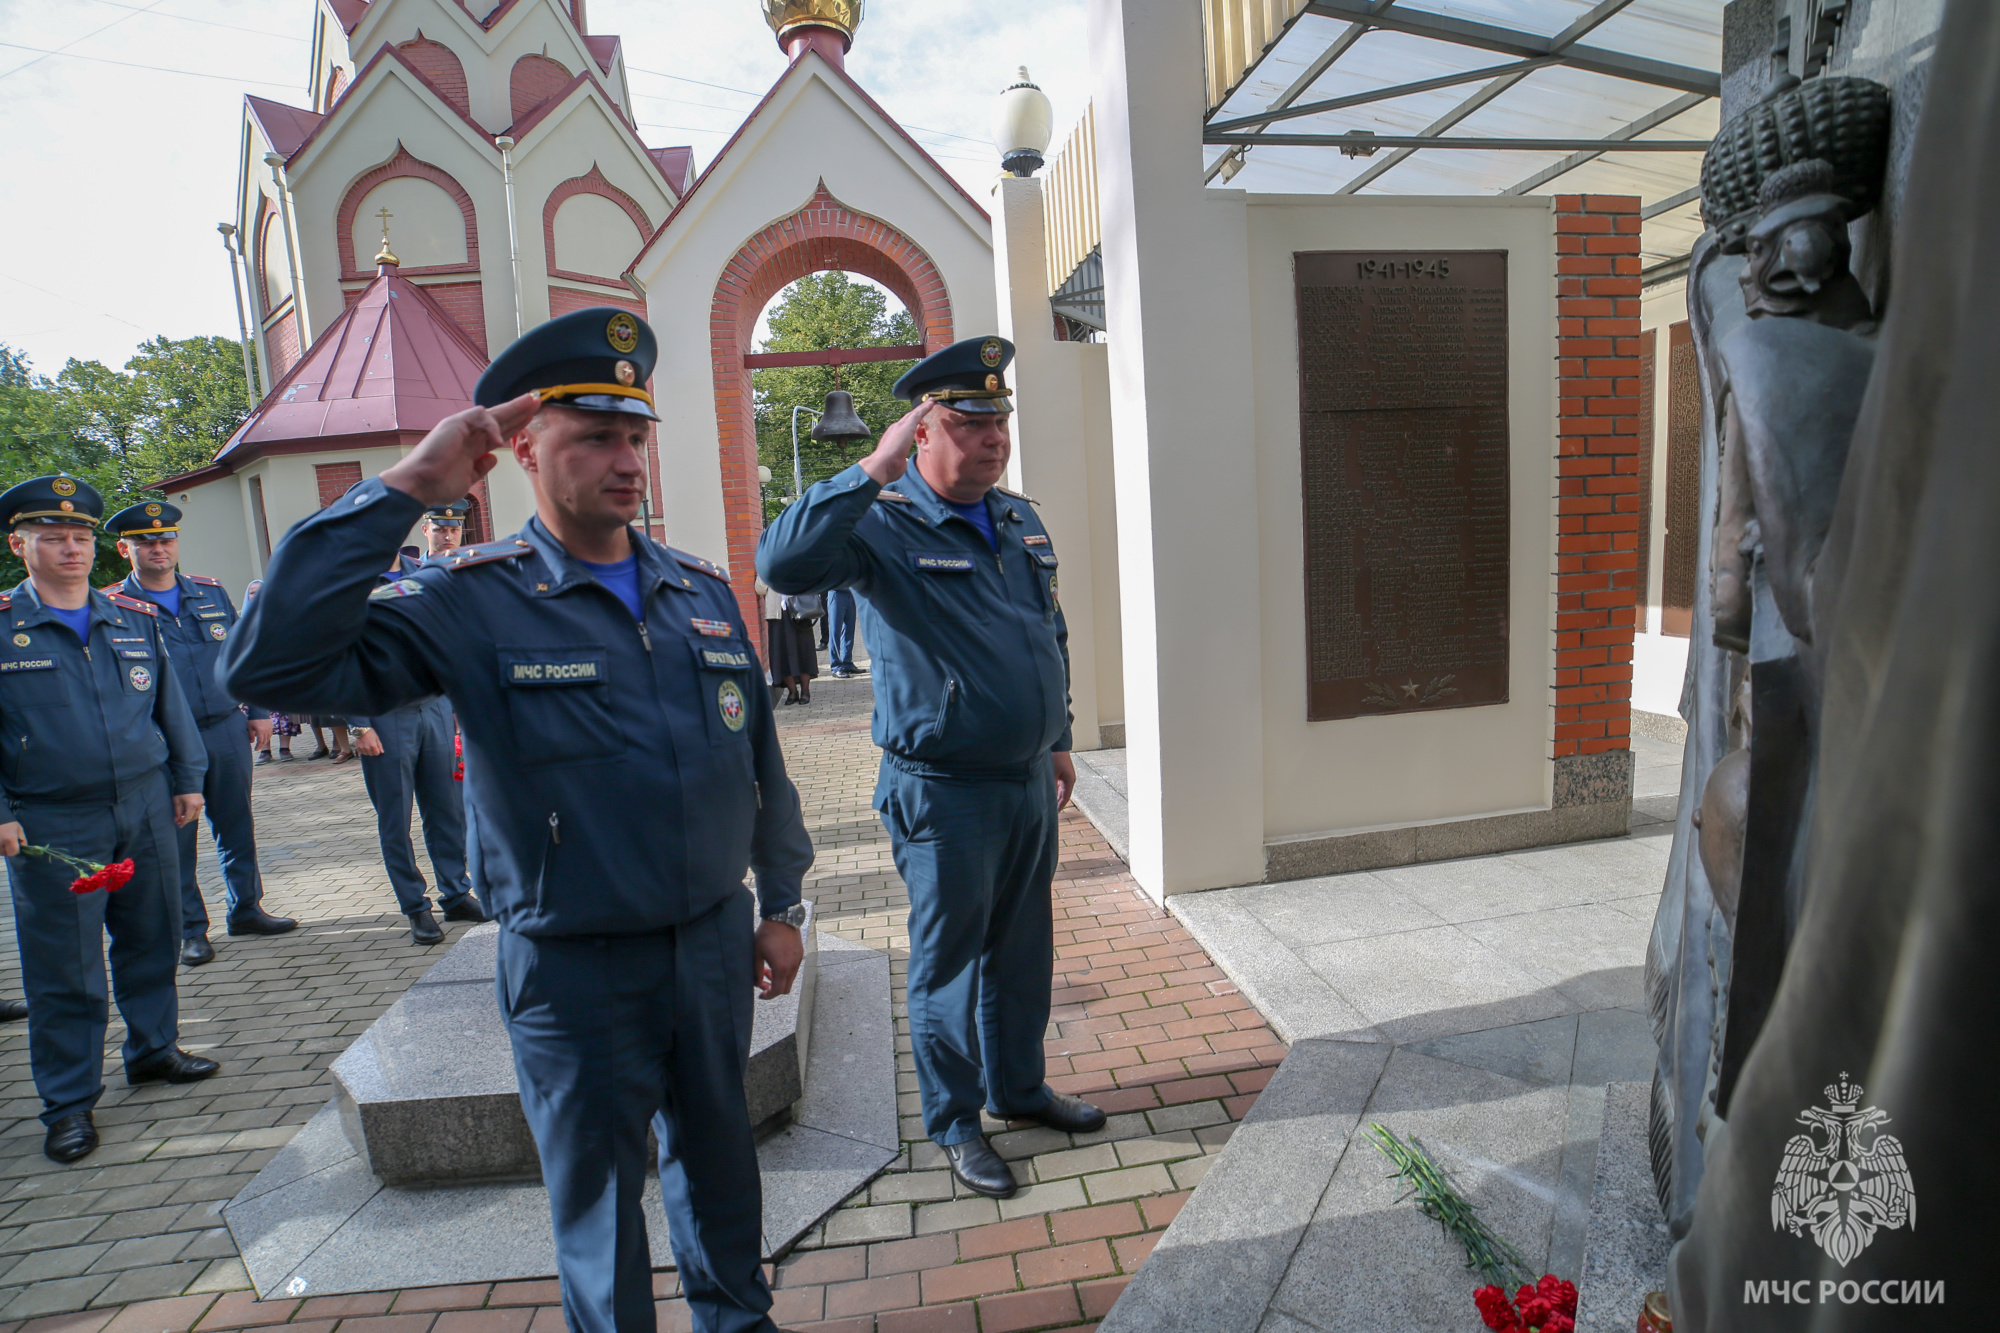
(623, 774)
(102, 760)
(410, 752)
(840, 634)
(195, 620)
(958, 584)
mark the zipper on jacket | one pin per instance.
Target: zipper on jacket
(555, 828)
(645, 639)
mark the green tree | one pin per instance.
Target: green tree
(170, 410)
(817, 312)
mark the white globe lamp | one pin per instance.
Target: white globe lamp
(1023, 121)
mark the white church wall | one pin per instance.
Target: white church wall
(812, 130)
(590, 230)
(426, 225)
(1367, 772)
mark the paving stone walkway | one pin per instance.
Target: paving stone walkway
(130, 1239)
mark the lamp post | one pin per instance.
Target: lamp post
(228, 231)
(1023, 122)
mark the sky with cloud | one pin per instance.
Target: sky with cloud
(120, 119)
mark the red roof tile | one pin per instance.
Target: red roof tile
(394, 361)
(349, 12)
(676, 164)
(286, 127)
(603, 49)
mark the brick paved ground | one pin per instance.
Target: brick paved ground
(1144, 1025)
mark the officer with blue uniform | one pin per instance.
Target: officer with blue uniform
(408, 754)
(957, 580)
(102, 760)
(195, 619)
(622, 774)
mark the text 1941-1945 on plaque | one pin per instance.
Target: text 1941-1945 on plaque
(1403, 452)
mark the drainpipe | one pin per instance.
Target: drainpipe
(304, 320)
(242, 325)
(505, 143)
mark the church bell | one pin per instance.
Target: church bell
(840, 423)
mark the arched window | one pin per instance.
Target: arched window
(273, 270)
(535, 80)
(437, 62)
(336, 86)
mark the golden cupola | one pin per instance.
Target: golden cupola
(826, 26)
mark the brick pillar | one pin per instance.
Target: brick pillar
(1599, 520)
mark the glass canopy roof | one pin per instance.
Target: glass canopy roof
(1562, 73)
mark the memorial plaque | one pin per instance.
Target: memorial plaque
(1403, 452)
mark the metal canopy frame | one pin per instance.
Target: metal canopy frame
(1243, 131)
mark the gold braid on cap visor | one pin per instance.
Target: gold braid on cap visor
(65, 515)
(579, 390)
(950, 396)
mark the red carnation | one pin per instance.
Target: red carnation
(1558, 1293)
(1559, 1323)
(119, 874)
(1496, 1309)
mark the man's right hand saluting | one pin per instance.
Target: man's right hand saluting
(459, 450)
(892, 455)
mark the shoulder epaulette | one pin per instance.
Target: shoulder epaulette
(1017, 495)
(132, 603)
(707, 567)
(6, 601)
(507, 548)
(893, 497)
(205, 580)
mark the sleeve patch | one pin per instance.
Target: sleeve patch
(400, 588)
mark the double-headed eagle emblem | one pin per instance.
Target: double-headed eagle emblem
(1845, 1186)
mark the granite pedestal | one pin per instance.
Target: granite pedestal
(319, 1219)
(427, 1094)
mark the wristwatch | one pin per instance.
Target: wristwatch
(793, 916)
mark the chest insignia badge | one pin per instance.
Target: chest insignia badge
(729, 702)
(141, 678)
(21, 641)
(218, 632)
(718, 629)
(1053, 598)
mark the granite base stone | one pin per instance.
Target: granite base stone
(428, 1093)
(1626, 1253)
(318, 1221)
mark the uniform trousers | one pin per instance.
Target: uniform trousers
(840, 629)
(226, 801)
(61, 935)
(978, 855)
(417, 761)
(611, 1032)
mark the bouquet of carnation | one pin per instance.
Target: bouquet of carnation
(1547, 1307)
(90, 875)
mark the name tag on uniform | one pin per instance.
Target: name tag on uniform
(715, 629)
(142, 653)
(552, 666)
(943, 564)
(724, 658)
(210, 615)
(28, 664)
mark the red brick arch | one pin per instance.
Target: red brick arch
(823, 235)
(403, 164)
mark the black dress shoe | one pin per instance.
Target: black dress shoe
(172, 1065)
(467, 908)
(196, 950)
(424, 928)
(1072, 1115)
(257, 921)
(71, 1137)
(13, 1011)
(976, 1164)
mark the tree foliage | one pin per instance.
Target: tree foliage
(172, 407)
(817, 312)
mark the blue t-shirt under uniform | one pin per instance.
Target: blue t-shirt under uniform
(623, 579)
(169, 599)
(78, 620)
(976, 514)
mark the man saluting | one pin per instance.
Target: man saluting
(622, 774)
(958, 592)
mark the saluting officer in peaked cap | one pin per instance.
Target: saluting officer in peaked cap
(957, 581)
(108, 761)
(623, 774)
(196, 618)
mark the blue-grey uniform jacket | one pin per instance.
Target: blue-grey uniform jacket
(85, 723)
(970, 652)
(194, 641)
(621, 776)
(404, 567)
